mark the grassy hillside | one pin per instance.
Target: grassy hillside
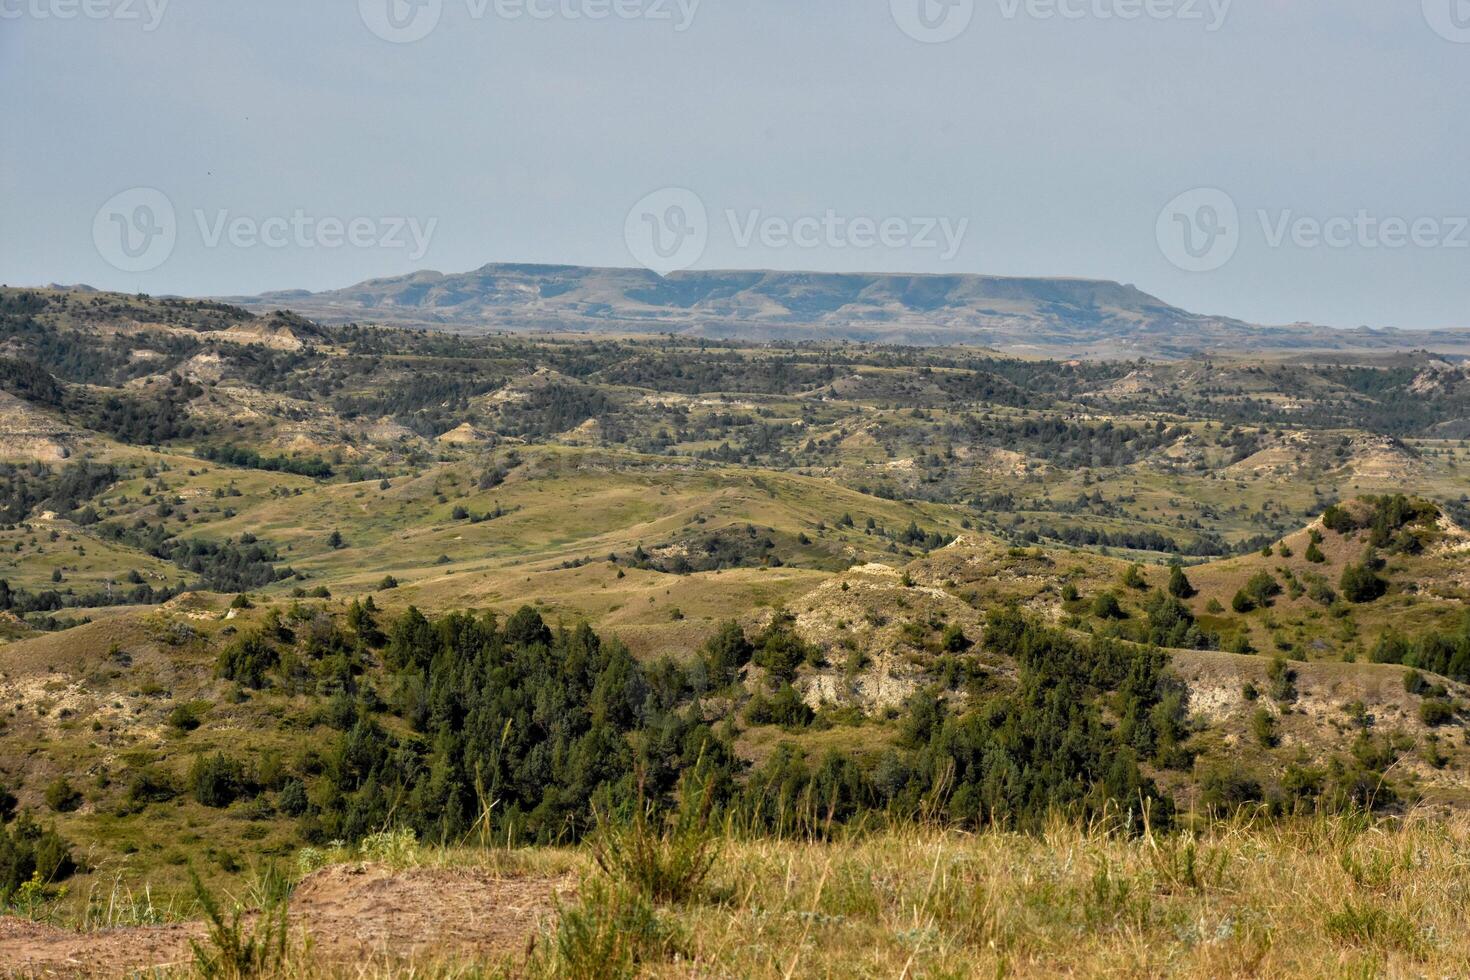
(267, 585)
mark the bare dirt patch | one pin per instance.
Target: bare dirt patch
(352, 914)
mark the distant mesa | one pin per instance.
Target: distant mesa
(1058, 317)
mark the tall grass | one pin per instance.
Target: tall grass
(1325, 896)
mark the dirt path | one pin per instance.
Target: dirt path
(351, 915)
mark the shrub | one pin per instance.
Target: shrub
(229, 953)
(1283, 680)
(725, 653)
(29, 853)
(1263, 727)
(608, 935)
(150, 785)
(247, 659)
(780, 650)
(61, 796)
(661, 861)
(1435, 712)
(1336, 518)
(1226, 788)
(1361, 584)
(1314, 554)
(292, 799)
(1179, 585)
(184, 718)
(1106, 606)
(1262, 588)
(217, 780)
(784, 708)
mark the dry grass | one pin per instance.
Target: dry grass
(1330, 897)
(1319, 898)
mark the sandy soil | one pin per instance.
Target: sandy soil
(349, 914)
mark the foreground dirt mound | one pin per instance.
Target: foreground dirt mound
(351, 914)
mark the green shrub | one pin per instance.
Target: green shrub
(609, 935)
(1263, 727)
(1179, 585)
(292, 799)
(247, 659)
(1262, 588)
(184, 718)
(1361, 584)
(662, 861)
(217, 780)
(1225, 788)
(1435, 712)
(229, 952)
(1283, 680)
(1106, 606)
(28, 852)
(61, 796)
(784, 708)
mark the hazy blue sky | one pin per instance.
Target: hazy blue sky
(1059, 139)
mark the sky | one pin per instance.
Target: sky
(1274, 160)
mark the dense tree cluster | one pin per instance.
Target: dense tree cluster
(1447, 654)
(525, 728)
(312, 466)
(29, 852)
